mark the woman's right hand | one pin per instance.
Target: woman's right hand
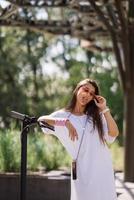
(72, 131)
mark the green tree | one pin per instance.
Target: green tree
(10, 86)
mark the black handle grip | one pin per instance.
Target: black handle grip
(17, 115)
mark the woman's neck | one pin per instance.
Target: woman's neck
(79, 110)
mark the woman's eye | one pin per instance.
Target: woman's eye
(86, 90)
(91, 93)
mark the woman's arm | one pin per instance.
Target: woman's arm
(111, 124)
(47, 119)
(60, 122)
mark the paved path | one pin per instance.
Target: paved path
(125, 190)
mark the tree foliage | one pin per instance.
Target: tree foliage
(26, 87)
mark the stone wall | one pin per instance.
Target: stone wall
(39, 187)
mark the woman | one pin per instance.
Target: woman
(84, 128)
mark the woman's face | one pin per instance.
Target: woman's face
(85, 94)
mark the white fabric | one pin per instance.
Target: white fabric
(95, 176)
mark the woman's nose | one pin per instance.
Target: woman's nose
(86, 93)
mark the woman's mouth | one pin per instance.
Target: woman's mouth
(84, 100)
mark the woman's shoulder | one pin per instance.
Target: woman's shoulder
(60, 113)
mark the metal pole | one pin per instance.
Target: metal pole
(27, 122)
(23, 175)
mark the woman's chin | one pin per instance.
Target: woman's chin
(83, 104)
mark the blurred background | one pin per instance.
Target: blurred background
(37, 75)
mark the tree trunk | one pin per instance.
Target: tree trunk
(129, 115)
(129, 136)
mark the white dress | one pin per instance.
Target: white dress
(95, 175)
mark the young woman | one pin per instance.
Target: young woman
(85, 127)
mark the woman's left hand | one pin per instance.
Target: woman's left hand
(100, 102)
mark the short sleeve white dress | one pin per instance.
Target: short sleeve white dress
(95, 175)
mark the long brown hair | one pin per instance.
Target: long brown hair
(91, 109)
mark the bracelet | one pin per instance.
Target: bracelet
(60, 122)
(105, 110)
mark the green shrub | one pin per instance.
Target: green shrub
(46, 152)
(117, 153)
(43, 151)
(9, 151)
